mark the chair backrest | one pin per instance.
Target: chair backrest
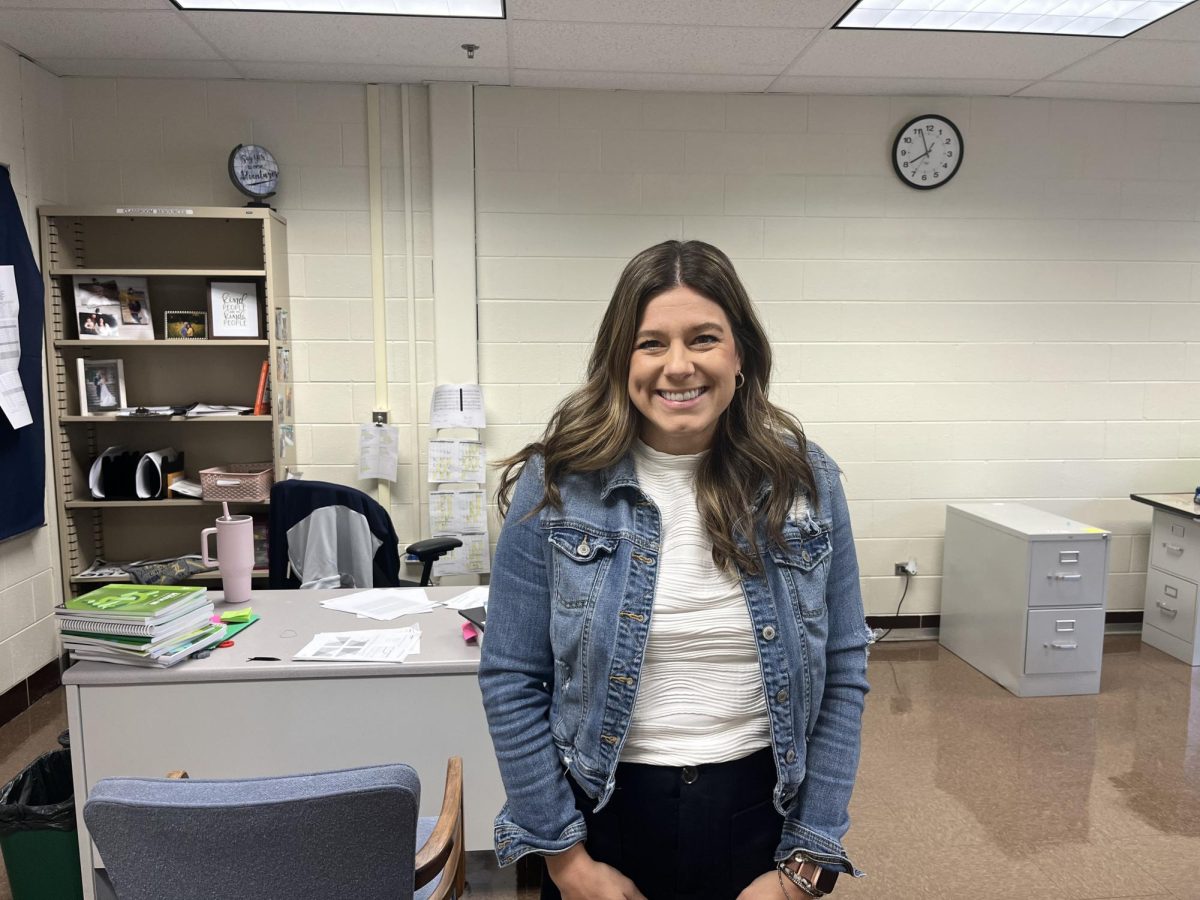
(350, 833)
(344, 531)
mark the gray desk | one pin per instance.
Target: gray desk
(228, 717)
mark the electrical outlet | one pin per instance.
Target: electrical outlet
(908, 567)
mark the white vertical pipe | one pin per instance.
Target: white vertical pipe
(378, 302)
(410, 269)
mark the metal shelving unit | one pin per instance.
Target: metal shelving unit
(177, 250)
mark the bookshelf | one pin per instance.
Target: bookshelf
(178, 251)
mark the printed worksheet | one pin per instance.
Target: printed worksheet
(453, 460)
(457, 406)
(384, 645)
(12, 393)
(378, 451)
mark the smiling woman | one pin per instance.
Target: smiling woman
(675, 665)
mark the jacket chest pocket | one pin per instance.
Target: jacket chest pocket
(803, 561)
(580, 561)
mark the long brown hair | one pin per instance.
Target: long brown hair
(755, 441)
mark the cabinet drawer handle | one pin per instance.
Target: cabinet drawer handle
(1172, 548)
(1063, 645)
(1169, 610)
(1064, 576)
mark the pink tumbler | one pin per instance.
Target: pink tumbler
(235, 555)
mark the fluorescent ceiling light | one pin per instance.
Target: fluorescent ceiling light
(472, 9)
(1095, 18)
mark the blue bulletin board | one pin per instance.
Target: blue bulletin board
(22, 449)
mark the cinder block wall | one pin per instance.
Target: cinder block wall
(1029, 332)
(166, 141)
(31, 141)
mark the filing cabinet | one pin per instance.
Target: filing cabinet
(1169, 619)
(1023, 594)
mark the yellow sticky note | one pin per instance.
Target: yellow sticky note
(237, 615)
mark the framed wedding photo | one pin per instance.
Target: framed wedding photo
(101, 386)
(234, 310)
(185, 325)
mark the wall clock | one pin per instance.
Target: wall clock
(927, 152)
(254, 172)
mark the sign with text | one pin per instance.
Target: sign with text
(233, 310)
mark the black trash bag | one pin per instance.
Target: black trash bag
(41, 798)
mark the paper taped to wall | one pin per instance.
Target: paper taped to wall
(12, 392)
(457, 406)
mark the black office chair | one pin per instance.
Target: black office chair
(427, 553)
(329, 525)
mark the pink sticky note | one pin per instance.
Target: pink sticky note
(469, 632)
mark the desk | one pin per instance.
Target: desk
(227, 717)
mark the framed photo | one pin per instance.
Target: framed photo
(97, 308)
(185, 325)
(101, 386)
(113, 308)
(234, 310)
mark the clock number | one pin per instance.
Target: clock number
(908, 140)
(949, 154)
(947, 141)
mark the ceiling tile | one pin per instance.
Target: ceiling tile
(1139, 62)
(102, 34)
(930, 54)
(934, 87)
(86, 4)
(332, 39)
(745, 13)
(140, 68)
(698, 50)
(1181, 25)
(376, 74)
(1094, 90)
(641, 81)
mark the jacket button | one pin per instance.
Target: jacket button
(768, 633)
(782, 696)
(805, 556)
(790, 756)
(690, 774)
(584, 548)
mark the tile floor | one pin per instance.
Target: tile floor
(968, 792)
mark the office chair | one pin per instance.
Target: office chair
(325, 535)
(352, 833)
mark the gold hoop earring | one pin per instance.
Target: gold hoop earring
(738, 384)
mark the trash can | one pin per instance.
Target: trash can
(37, 831)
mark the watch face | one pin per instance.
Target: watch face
(927, 152)
(253, 170)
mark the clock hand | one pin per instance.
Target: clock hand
(924, 143)
(922, 156)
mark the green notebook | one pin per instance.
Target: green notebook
(135, 601)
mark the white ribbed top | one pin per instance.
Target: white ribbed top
(700, 699)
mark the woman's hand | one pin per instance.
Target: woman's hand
(579, 877)
(771, 887)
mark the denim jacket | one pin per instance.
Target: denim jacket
(570, 602)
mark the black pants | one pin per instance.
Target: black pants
(693, 833)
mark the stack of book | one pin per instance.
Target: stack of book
(138, 624)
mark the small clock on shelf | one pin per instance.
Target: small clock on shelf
(254, 172)
(927, 152)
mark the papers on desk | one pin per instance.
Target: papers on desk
(384, 645)
(476, 596)
(383, 604)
